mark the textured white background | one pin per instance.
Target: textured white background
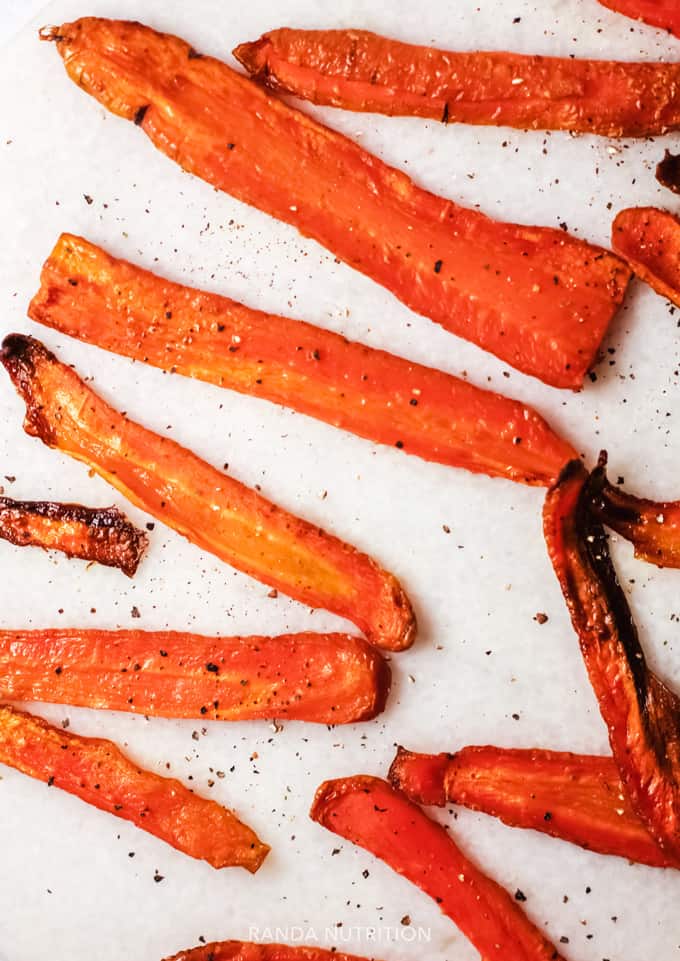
(68, 887)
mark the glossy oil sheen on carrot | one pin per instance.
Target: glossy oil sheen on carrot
(87, 293)
(538, 298)
(214, 511)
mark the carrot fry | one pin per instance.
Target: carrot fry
(649, 239)
(641, 713)
(573, 797)
(538, 298)
(104, 535)
(248, 951)
(96, 771)
(89, 294)
(328, 678)
(664, 14)
(653, 527)
(212, 510)
(369, 812)
(359, 70)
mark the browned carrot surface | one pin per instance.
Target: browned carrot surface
(117, 305)
(649, 239)
(359, 70)
(536, 297)
(642, 714)
(104, 535)
(212, 509)
(328, 678)
(573, 797)
(96, 771)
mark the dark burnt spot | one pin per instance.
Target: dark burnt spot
(668, 172)
(140, 114)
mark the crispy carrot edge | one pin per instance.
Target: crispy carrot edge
(573, 797)
(649, 239)
(104, 535)
(250, 951)
(657, 13)
(360, 70)
(653, 527)
(326, 678)
(87, 293)
(536, 297)
(370, 813)
(642, 715)
(210, 508)
(96, 771)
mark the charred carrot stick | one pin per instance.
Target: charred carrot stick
(87, 293)
(249, 951)
(664, 14)
(573, 797)
(104, 535)
(212, 510)
(536, 297)
(641, 713)
(653, 527)
(328, 678)
(360, 70)
(369, 812)
(649, 239)
(96, 771)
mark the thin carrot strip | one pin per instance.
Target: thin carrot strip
(96, 771)
(574, 797)
(211, 509)
(249, 951)
(664, 14)
(649, 239)
(538, 298)
(103, 535)
(369, 812)
(327, 678)
(87, 293)
(359, 70)
(653, 527)
(641, 713)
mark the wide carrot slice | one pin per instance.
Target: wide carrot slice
(96, 771)
(369, 812)
(117, 305)
(359, 70)
(641, 713)
(104, 535)
(649, 239)
(328, 678)
(208, 507)
(657, 13)
(249, 951)
(574, 797)
(652, 526)
(536, 297)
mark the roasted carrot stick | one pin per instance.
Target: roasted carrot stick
(214, 511)
(641, 713)
(359, 70)
(248, 951)
(652, 526)
(657, 13)
(117, 305)
(96, 771)
(573, 797)
(104, 535)
(649, 239)
(369, 812)
(536, 297)
(328, 678)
